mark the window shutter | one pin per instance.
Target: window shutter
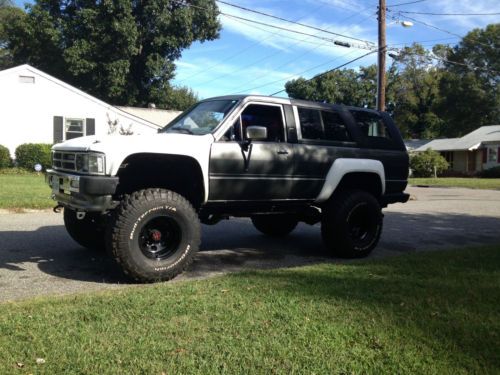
(90, 126)
(485, 155)
(498, 155)
(58, 129)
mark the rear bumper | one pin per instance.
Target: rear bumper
(394, 198)
(83, 193)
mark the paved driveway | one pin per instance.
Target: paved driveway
(37, 257)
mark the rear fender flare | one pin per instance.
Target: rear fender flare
(343, 166)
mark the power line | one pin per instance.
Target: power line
(296, 74)
(440, 29)
(451, 14)
(304, 40)
(367, 45)
(308, 50)
(211, 67)
(408, 3)
(331, 70)
(290, 21)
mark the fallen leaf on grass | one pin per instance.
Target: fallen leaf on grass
(20, 364)
(224, 290)
(40, 361)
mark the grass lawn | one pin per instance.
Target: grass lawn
(472, 183)
(433, 313)
(24, 191)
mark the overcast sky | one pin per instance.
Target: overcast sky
(251, 58)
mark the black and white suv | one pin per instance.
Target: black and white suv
(277, 161)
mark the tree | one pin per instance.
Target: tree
(417, 92)
(348, 86)
(8, 12)
(469, 86)
(180, 98)
(121, 51)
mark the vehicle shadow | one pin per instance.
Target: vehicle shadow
(235, 245)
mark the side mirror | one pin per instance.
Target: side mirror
(256, 133)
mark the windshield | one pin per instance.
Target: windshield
(203, 118)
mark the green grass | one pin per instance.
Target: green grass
(429, 313)
(24, 191)
(472, 183)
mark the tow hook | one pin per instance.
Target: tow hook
(57, 209)
(80, 215)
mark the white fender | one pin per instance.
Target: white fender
(341, 167)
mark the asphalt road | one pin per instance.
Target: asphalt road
(37, 257)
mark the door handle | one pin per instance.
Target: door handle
(282, 152)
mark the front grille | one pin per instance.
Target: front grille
(64, 161)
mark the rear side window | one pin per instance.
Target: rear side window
(310, 124)
(371, 124)
(322, 125)
(335, 129)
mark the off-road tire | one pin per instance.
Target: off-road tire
(352, 224)
(88, 232)
(274, 225)
(134, 229)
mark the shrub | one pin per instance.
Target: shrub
(29, 154)
(5, 160)
(490, 173)
(423, 163)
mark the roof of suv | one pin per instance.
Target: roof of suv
(299, 102)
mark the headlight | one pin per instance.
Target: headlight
(90, 163)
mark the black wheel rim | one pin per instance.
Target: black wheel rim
(160, 238)
(362, 225)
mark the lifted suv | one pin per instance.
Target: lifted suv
(277, 161)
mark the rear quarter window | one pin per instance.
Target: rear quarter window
(322, 125)
(374, 129)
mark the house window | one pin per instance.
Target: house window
(492, 155)
(448, 155)
(74, 128)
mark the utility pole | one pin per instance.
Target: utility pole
(382, 48)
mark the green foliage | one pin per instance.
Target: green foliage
(30, 154)
(469, 98)
(426, 313)
(417, 90)
(427, 99)
(23, 190)
(490, 173)
(348, 86)
(5, 160)
(180, 98)
(120, 51)
(424, 163)
(8, 15)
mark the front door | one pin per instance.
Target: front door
(252, 171)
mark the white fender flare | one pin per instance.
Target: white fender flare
(342, 166)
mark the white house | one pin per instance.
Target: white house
(471, 153)
(38, 108)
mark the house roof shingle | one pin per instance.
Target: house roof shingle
(469, 142)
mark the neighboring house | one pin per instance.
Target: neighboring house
(38, 108)
(160, 117)
(471, 153)
(413, 144)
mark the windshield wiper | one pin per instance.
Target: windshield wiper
(182, 130)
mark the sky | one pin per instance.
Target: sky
(258, 59)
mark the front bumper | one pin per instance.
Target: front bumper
(82, 192)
